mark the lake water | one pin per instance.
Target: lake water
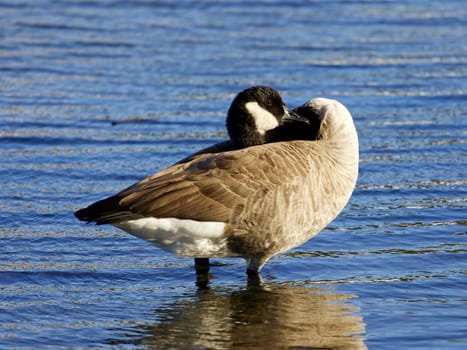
(95, 95)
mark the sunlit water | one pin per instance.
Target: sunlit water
(95, 95)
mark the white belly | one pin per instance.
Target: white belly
(189, 238)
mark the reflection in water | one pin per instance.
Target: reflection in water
(267, 317)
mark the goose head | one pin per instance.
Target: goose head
(255, 116)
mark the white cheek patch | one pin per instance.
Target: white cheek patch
(264, 119)
(181, 237)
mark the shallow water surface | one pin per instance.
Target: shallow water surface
(98, 94)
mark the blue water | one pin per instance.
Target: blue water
(95, 95)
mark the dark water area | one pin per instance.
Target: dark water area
(95, 95)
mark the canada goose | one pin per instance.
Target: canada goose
(257, 115)
(253, 202)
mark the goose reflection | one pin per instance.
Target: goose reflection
(259, 317)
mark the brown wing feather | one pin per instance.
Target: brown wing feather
(199, 192)
(210, 187)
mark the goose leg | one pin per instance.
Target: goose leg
(254, 278)
(252, 271)
(202, 269)
(201, 265)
